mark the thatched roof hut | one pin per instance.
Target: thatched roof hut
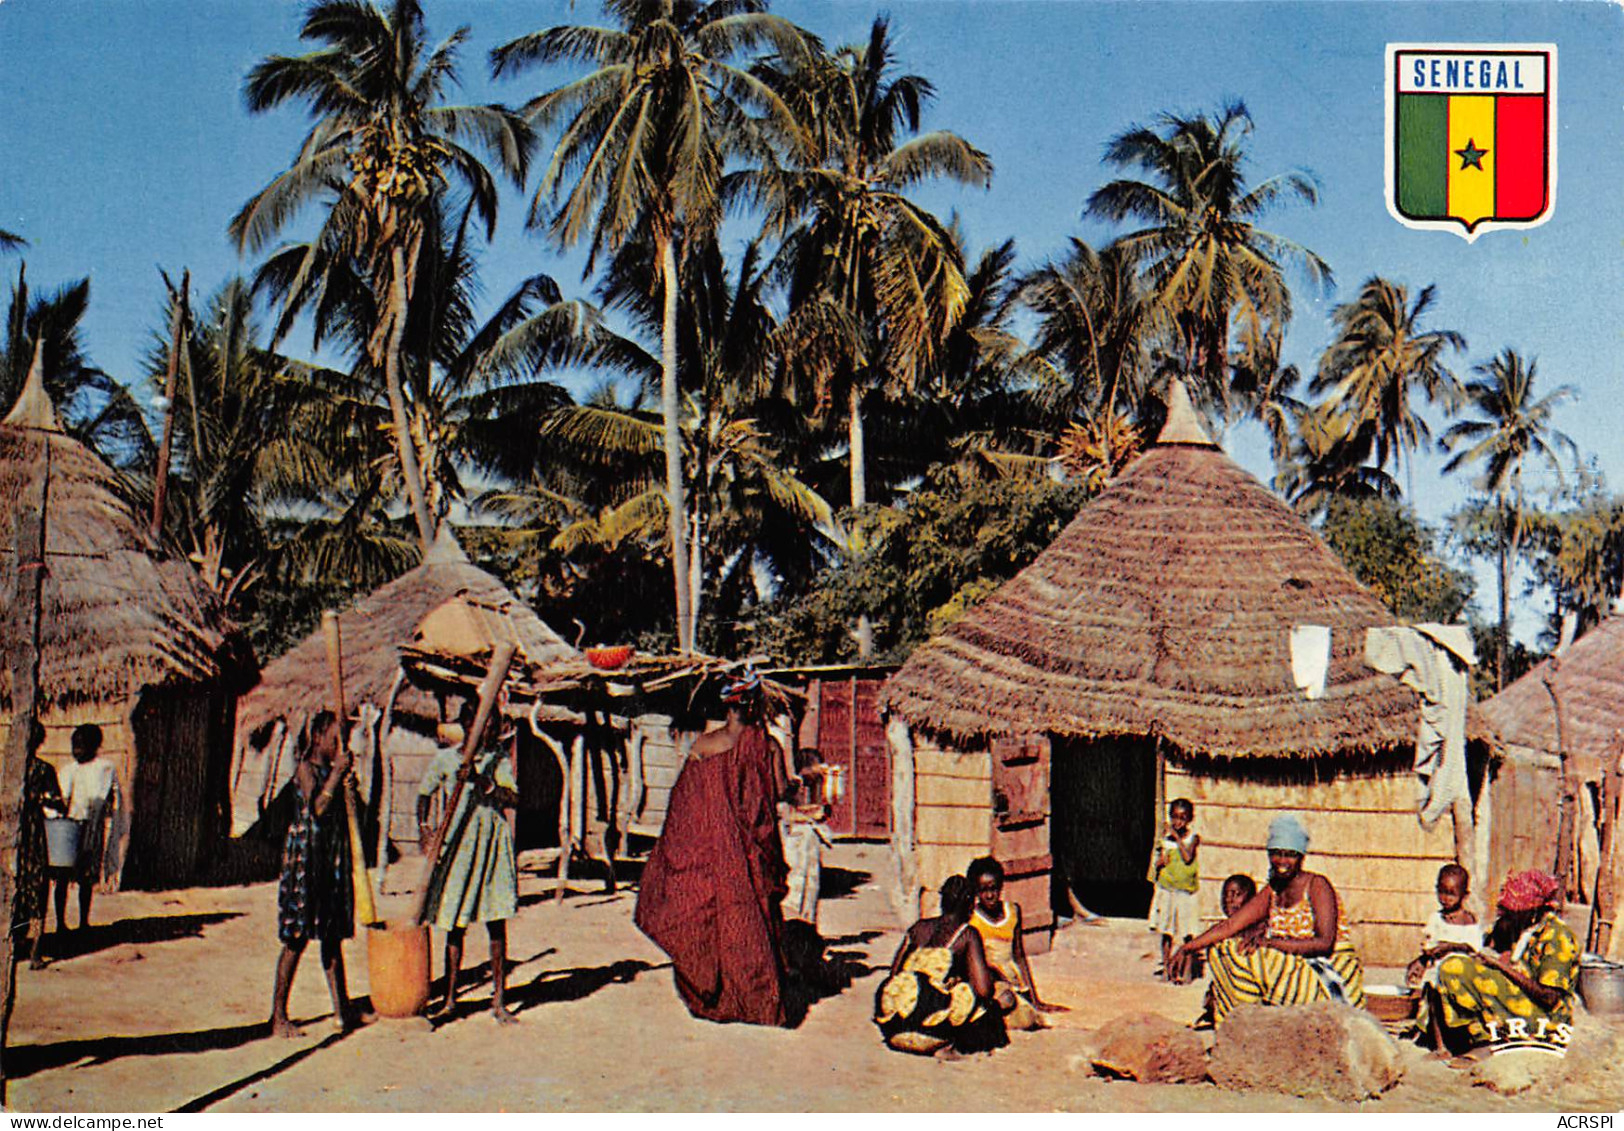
(1588, 682)
(130, 639)
(122, 613)
(273, 716)
(1148, 653)
(297, 684)
(1166, 606)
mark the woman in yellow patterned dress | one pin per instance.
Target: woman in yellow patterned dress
(939, 993)
(1521, 988)
(1305, 954)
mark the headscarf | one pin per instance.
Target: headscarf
(1529, 891)
(742, 688)
(1286, 834)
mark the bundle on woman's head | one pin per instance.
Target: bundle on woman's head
(743, 689)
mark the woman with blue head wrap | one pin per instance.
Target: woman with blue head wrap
(1305, 954)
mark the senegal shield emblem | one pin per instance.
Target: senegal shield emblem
(1471, 135)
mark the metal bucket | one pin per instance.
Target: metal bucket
(61, 842)
(1601, 985)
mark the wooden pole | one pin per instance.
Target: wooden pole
(23, 654)
(1604, 911)
(1568, 796)
(365, 908)
(160, 487)
(1460, 815)
(501, 661)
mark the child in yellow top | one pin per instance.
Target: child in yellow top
(999, 925)
(1175, 911)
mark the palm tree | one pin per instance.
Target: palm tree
(1268, 389)
(645, 137)
(1511, 427)
(1093, 317)
(1206, 260)
(11, 241)
(891, 272)
(470, 394)
(1380, 358)
(255, 432)
(752, 511)
(877, 280)
(987, 401)
(1328, 459)
(95, 408)
(382, 150)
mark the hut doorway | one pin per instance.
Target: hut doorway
(541, 791)
(174, 733)
(1103, 809)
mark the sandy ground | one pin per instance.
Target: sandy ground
(162, 1008)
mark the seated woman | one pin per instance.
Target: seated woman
(1304, 955)
(1521, 987)
(999, 925)
(939, 993)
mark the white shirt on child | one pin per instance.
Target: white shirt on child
(1439, 930)
(87, 787)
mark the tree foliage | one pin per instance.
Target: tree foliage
(1396, 556)
(924, 563)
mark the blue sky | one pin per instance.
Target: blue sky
(128, 149)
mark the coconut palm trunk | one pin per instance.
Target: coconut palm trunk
(859, 497)
(411, 472)
(1500, 638)
(676, 501)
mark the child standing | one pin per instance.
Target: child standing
(90, 789)
(315, 899)
(1174, 911)
(1452, 928)
(476, 879)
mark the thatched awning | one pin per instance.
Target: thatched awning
(1166, 608)
(1589, 682)
(118, 613)
(297, 684)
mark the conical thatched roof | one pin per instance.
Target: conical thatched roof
(117, 613)
(1166, 607)
(1589, 682)
(297, 684)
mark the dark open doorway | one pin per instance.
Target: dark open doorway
(1103, 808)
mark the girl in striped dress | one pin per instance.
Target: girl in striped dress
(1305, 954)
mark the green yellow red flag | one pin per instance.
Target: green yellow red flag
(1471, 135)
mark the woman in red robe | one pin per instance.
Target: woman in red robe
(711, 892)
